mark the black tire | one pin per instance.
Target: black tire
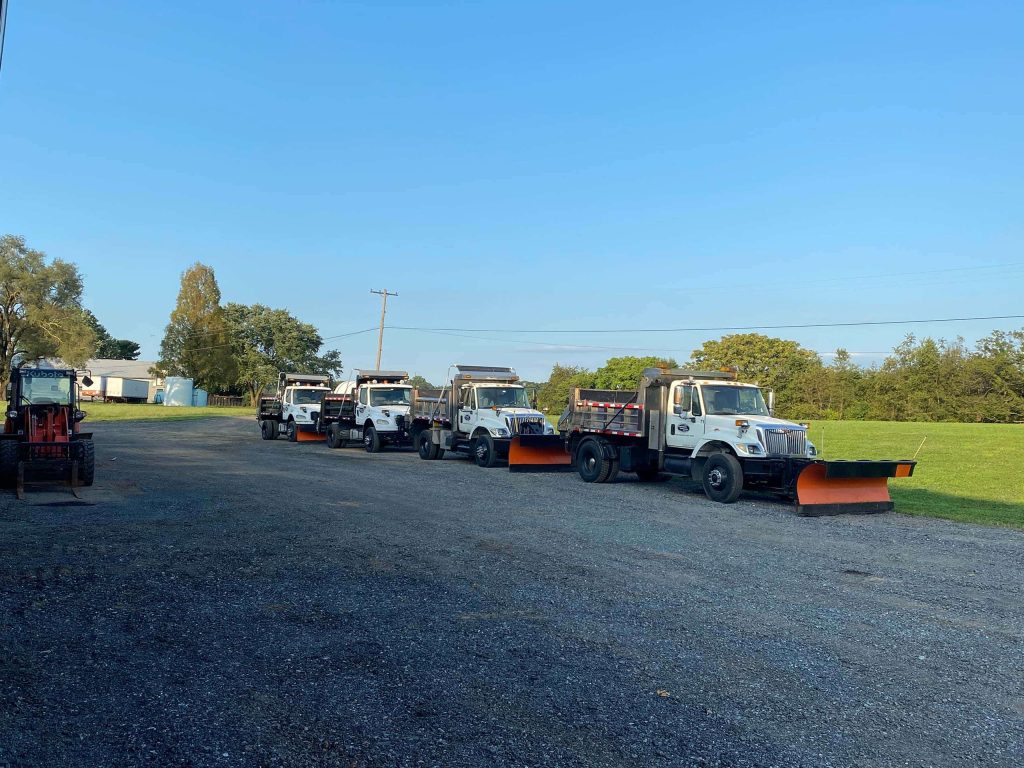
(427, 450)
(647, 474)
(483, 451)
(87, 464)
(332, 436)
(592, 464)
(8, 463)
(292, 431)
(268, 429)
(371, 440)
(722, 478)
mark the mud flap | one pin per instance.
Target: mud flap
(538, 453)
(847, 487)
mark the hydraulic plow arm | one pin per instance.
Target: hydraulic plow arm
(847, 487)
(538, 453)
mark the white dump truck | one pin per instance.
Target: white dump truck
(294, 408)
(372, 408)
(707, 426)
(477, 413)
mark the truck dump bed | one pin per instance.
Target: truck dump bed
(606, 412)
(429, 404)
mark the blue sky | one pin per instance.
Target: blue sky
(536, 166)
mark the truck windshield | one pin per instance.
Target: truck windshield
(390, 396)
(40, 390)
(308, 396)
(502, 397)
(730, 401)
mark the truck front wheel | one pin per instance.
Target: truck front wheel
(483, 451)
(292, 431)
(722, 478)
(371, 440)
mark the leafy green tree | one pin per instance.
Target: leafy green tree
(107, 347)
(265, 341)
(625, 372)
(41, 311)
(555, 393)
(421, 383)
(770, 362)
(197, 342)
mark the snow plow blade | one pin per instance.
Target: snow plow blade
(538, 453)
(847, 487)
(308, 437)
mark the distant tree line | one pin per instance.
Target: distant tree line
(922, 380)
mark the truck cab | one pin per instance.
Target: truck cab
(712, 414)
(382, 400)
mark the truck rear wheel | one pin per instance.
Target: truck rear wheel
(371, 440)
(268, 429)
(722, 478)
(592, 464)
(332, 436)
(483, 451)
(426, 449)
(8, 463)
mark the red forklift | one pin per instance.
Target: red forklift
(42, 437)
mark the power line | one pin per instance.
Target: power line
(712, 328)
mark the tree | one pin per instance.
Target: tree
(41, 311)
(265, 341)
(107, 347)
(625, 372)
(418, 382)
(196, 342)
(554, 395)
(772, 363)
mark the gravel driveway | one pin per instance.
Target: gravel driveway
(220, 600)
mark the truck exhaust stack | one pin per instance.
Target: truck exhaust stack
(847, 487)
(538, 453)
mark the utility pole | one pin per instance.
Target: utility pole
(383, 311)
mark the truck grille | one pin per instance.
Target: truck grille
(785, 442)
(525, 425)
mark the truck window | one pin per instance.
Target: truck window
(389, 396)
(363, 396)
(43, 390)
(308, 396)
(467, 398)
(503, 397)
(683, 397)
(732, 401)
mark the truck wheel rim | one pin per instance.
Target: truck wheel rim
(716, 478)
(481, 450)
(590, 463)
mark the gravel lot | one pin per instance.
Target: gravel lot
(220, 600)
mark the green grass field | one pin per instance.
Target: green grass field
(151, 412)
(968, 472)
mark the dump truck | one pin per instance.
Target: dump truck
(719, 432)
(294, 408)
(372, 409)
(477, 413)
(42, 437)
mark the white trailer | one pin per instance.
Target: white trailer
(122, 390)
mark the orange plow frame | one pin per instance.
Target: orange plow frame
(538, 453)
(845, 487)
(308, 437)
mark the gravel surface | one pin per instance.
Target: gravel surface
(220, 600)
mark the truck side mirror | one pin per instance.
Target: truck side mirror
(87, 381)
(771, 402)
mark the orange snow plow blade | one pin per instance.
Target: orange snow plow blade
(537, 453)
(848, 487)
(308, 437)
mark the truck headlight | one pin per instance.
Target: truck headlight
(811, 450)
(754, 449)
(548, 429)
(500, 432)
(382, 421)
